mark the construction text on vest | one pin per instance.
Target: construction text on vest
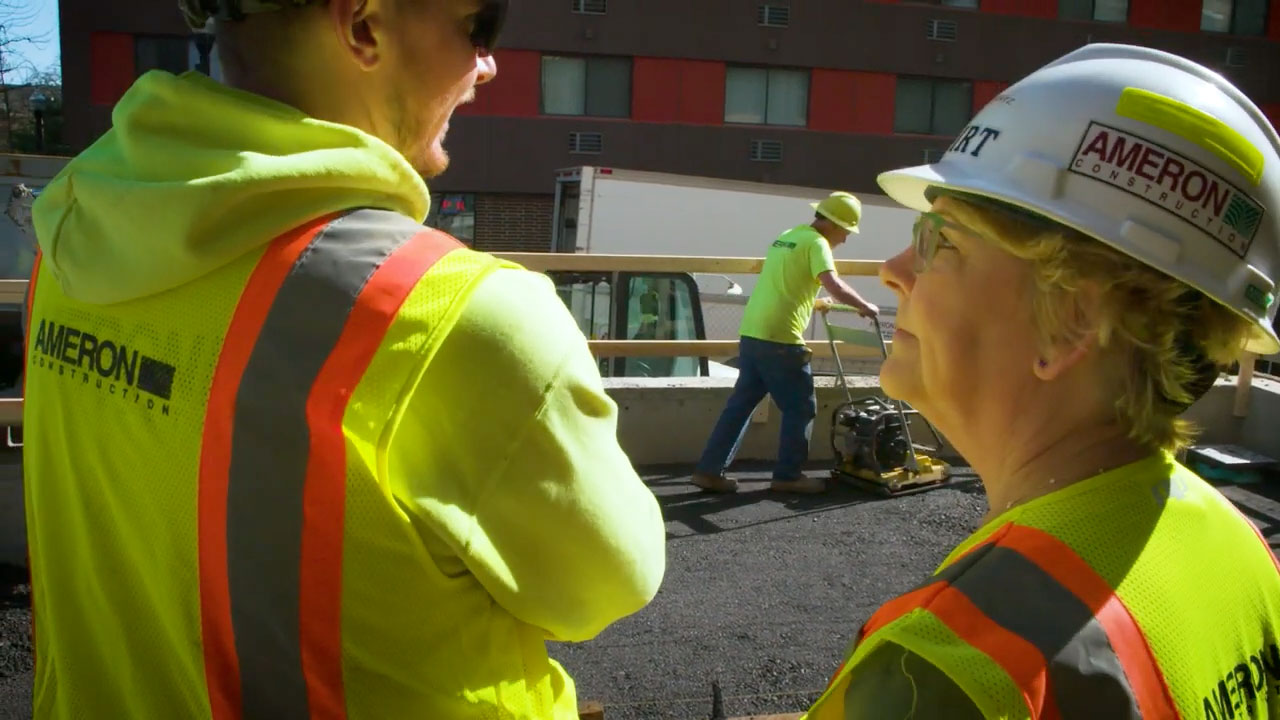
(103, 364)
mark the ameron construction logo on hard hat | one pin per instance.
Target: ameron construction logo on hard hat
(1179, 185)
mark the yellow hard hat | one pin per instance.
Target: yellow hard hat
(841, 208)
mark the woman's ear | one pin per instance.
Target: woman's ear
(1078, 336)
(1051, 365)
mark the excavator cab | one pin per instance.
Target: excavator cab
(637, 306)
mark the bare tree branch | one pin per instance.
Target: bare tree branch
(16, 19)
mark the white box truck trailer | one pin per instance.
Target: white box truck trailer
(616, 211)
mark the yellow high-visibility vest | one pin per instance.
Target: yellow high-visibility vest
(208, 534)
(1139, 593)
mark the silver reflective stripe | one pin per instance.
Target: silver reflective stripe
(1086, 678)
(270, 447)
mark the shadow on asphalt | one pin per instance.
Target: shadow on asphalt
(15, 591)
(694, 508)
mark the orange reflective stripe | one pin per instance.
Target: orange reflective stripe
(1032, 605)
(274, 465)
(1021, 660)
(1070, 570)
(900, 606)
(222, 670)
(889, 612)
(26, 348)
(927, 590)
(325, 492)
(26, 321)
(905, 603)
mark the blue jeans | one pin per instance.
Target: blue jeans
(783, 372)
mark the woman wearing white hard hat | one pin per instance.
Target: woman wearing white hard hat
(1093, 249)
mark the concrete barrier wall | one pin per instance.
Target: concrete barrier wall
(13, 527)
(1259, 430)
(667, 422)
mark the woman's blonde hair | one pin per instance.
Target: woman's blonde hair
(1169, 340)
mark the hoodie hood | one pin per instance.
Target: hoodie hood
(194, 174)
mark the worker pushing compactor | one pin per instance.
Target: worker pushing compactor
(773, 358)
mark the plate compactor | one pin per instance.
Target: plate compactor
(871, 436)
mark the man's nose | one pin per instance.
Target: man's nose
(486, 68)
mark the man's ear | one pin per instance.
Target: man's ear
(359, 25)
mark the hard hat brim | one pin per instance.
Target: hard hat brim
(909, 186)
(853, 229)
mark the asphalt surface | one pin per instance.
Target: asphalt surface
(762, 596)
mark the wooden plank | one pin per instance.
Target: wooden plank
(710, 348)
(13, 291)
(588, 262)
(11, 411)
(590, 710)
(1244, 384)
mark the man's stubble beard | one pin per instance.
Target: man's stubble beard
(421, 152)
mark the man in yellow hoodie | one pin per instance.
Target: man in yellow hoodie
(291, 454)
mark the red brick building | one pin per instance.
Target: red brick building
(822, 93)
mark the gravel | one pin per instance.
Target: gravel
(762, 596)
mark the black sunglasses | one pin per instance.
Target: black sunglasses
(488, 24)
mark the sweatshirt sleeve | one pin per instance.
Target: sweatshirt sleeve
(508, 453)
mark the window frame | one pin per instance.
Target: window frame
(934, 83)
(806, 73)
(586, 84)
(1233, 19)
(192, 43)
(1093, 13)
(469, 209)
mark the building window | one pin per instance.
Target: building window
(456, 215)
(176, 54)
(927, 106)
(941, 30)
(766, 97)
(589, 7)
(1237, 17)
(1101, 10)
(595, 86)
(773, 15)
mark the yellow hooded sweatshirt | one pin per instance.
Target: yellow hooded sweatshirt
(507, 511)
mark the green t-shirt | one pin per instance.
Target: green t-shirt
(781, 304)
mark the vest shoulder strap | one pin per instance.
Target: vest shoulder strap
(273, 458)
(1028, 602)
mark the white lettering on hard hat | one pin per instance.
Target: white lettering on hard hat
(1189, 191)
(967, 136)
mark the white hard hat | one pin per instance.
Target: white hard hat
(1155, 155)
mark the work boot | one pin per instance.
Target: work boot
(802, 484)
(715, 483)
